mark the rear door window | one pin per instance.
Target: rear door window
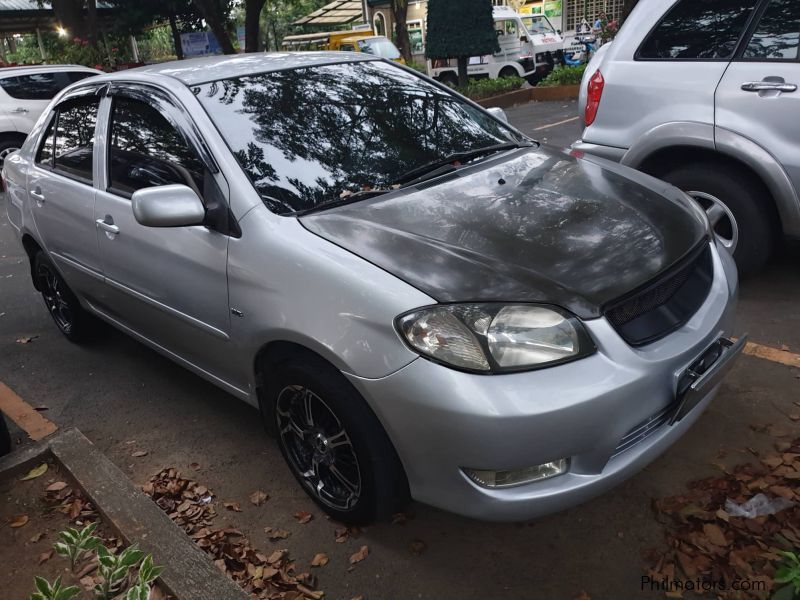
(777, 35)
(40, 86)
(74, 140)
(698, 30)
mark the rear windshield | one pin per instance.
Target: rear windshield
(40, 86)
(313, 135)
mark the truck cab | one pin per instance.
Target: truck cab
(530, 47)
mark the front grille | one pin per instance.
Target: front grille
(664, 305)
(644, 430)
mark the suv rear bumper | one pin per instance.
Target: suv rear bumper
(607, 152)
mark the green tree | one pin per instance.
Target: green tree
(135, 18)
(460, 29)
(400, 14)
(217, 14)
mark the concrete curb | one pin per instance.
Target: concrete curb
(534, 94)
(190, 574)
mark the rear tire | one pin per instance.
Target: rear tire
(72, 320)
(746, 199)
(332, 442)
(508, 72)
(5, 437)
(7, 146)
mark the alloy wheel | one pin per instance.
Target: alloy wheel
(318, 447)
(54, 294)
(723, 223)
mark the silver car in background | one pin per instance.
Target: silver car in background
(705, 96)
(419, 299)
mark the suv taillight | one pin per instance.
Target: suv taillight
(594, 93)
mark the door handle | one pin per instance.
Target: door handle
(106, 226)
(769, 86)
(20, 110)
(37, 193)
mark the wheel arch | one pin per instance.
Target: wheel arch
(32, 247)
(673, 144)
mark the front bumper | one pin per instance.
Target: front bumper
(441, 420)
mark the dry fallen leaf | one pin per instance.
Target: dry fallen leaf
(417, 547)
(320, 560)
(258, 498)
(362, 553)
(45, 556)
(583, 596)
(27, 339)
(35, 538)
(234, 506)
(276, 556)
(194, 466)
(714, 534)
(19, 521)
(276, 534)
(303, 517)
(35, 472)
(56, 487)
(139, 453)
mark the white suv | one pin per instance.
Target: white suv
(24, 94)
(704, 94)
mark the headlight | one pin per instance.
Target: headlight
(495, 337)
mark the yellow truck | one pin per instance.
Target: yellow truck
(345, 41)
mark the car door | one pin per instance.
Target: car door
(61, 192)
(759, 96)
(168, 284)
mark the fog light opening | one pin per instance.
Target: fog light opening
(511, 477)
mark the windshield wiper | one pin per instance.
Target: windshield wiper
(354, 197)
(440, 166)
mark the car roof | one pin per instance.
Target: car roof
(33, 69)
(212, 68)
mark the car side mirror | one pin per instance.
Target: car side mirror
(498, 113)
(523, 39)
(558, 31)
(168, 206)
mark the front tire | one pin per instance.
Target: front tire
(69, 316)
(739, 207)
(334, 445)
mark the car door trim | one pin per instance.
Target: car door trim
(77, 266)
(210, 329)
(238, 392)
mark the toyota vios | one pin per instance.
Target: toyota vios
(419, 299)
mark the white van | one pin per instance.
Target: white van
(529, 47)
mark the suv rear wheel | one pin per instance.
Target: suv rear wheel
(738, 207)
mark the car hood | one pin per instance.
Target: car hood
(533, 226)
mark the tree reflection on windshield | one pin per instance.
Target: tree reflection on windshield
(311, 135)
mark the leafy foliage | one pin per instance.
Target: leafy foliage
(570, 75)
(486, 88)
(460, 28)
(55, 591)
(73, 543)
(789, 572)
(114, 569)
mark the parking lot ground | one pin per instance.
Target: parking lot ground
(127, 399)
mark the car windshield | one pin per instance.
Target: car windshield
(538, 25)
(315, 135)
(379, 47)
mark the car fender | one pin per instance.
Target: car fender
(728, 144)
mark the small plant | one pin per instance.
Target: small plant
(74, 544)
(486, 88)
(148, 573)
(45, 591)
(569, 75)
(789, 573)
(119, 577)
(114, 569)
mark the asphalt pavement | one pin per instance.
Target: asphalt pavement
(127, 399)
